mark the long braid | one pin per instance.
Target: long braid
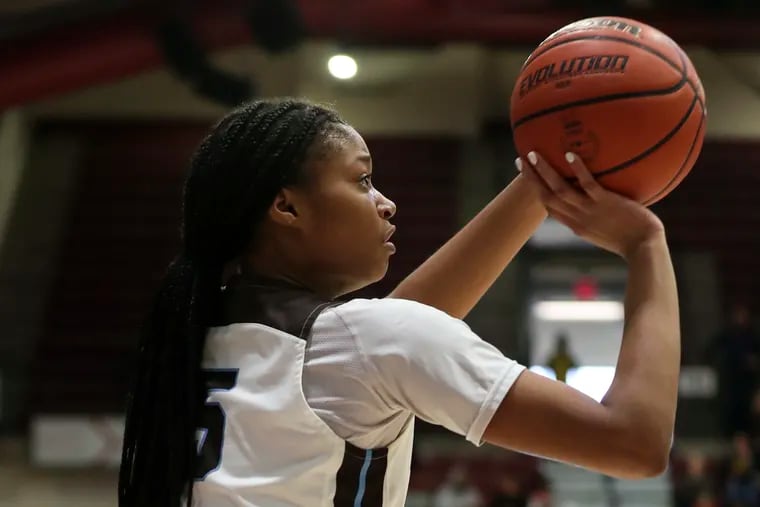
(234, 177)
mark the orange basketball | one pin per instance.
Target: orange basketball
(619, 93)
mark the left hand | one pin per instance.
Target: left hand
(607, 219)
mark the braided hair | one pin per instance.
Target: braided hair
(234, 177)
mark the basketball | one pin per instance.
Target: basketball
(620, 94)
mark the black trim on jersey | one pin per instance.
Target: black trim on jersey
(361, 477)
(274, 303)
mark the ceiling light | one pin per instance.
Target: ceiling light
(342, 66)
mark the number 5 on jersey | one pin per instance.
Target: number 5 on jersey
(210, 433)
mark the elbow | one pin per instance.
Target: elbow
(651, 458)
(654, 465)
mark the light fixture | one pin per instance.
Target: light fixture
(596, 311)
(342, 66)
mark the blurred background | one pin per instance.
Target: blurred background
(103, 101)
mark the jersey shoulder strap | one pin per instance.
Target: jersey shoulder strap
(274, 303)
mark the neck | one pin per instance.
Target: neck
(276, 266)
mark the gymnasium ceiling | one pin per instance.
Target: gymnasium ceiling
(61, 52)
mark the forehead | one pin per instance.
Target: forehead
(342, 150)
(345, 138)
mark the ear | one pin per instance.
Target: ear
(284, 209)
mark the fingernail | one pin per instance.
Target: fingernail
(569, 157)
(533, 157)
(518, 164)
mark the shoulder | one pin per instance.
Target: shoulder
(373, 319)
(415, 356)
(388, 327)
(392, 313)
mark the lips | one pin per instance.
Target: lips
(390, 233)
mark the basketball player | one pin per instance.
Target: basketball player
(256, 388)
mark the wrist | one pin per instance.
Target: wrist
(529, 194)
(652, 241)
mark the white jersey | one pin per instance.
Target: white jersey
(263, 444)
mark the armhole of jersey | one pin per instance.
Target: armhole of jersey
(308, 324)
(306, 331)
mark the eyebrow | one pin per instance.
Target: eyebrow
(366, 159)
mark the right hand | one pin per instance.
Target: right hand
(607, 219)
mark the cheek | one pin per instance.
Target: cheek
(347, 211)
(345, 225)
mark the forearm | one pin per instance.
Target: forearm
(461, 271)
(644, 392)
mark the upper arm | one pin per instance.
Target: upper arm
(423, 361)
(547, 418)
(434, 366)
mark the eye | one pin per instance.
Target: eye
(366, 180)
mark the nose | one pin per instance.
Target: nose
(386, 208)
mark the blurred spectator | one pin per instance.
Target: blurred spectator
(457, 491)
(540, 498)
(742, 487)
(694, 488)
(509, 493)
(736, 349)
(561, 361)
(754, 425)
(705, 499)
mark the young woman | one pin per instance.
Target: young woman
(256, 388)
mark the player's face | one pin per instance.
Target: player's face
(346, 220)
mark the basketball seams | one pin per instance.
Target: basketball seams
(667, 137)
(681, 55)
(670, 185)
(595, 100)
(611, 38)
(685, 59)
(662, 141)
(677, 177)
(682, 70)
(666, 51)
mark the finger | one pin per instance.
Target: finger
(548, 197)
(534, 179)
(586, 180)
(561, 188)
